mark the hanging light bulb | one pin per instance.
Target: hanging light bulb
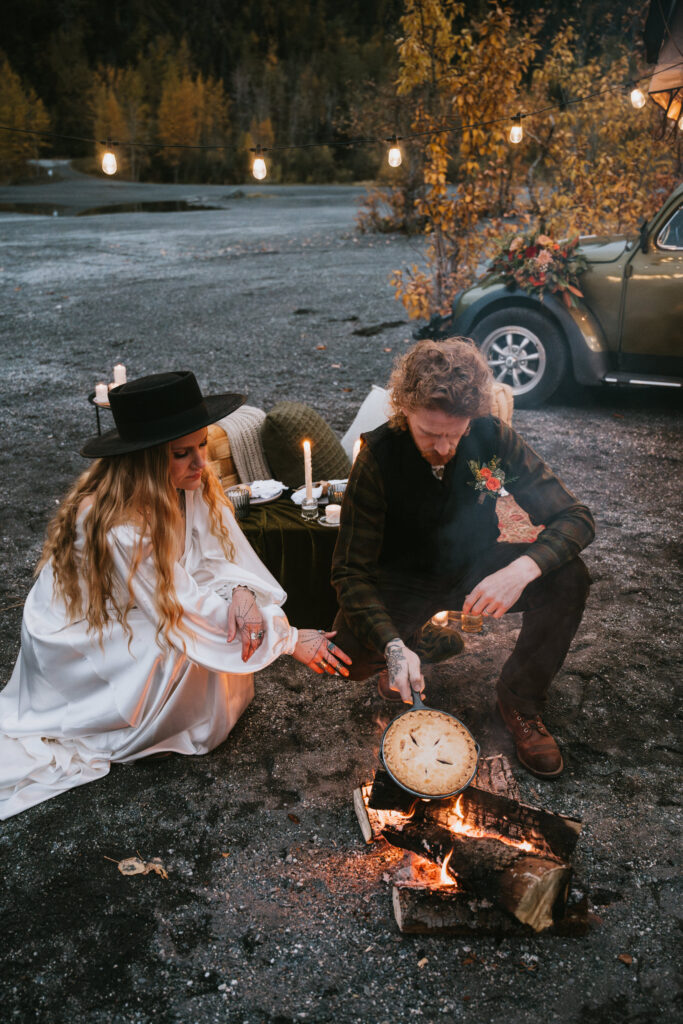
(395, 156)
(516, 131)
(258, 168)
(109, 165)
(638, 99)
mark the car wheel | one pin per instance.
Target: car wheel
(524, 350)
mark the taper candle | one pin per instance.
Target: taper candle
(308, 470)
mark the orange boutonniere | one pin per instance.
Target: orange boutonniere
(489, 479)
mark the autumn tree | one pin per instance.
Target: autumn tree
(120, 113)
(456, 75)
(20, 108)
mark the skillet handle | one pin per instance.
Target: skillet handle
(417, 699)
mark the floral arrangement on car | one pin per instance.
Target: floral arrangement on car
(538, 264)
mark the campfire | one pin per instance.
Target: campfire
(478, 862)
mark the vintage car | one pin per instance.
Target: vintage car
(627, 328)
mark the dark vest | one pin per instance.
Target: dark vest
(434, 527)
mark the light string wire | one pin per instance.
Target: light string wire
(354, 141)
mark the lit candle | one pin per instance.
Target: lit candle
(119, 374)
(440, 619)
(101, 394)
(356, 449)
(308, 470)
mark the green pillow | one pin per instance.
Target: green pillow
(285, 428)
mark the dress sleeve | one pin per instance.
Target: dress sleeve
(356, 554)
(205, 610)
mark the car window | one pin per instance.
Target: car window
(671, 235)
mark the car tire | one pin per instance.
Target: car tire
(525, 350)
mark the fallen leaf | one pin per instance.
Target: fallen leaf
(387, 350)
(293, 817)
(469, 960)
(321, 348)
(336, 366)
(422, 962)
(225, 855)
(132, 866)
(347, 389)
(137, 866)
(625, 958)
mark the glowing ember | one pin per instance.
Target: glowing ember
(459, 826)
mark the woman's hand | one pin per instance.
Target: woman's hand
(315, 649)
(244, 617)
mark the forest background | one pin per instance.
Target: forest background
(315, 74)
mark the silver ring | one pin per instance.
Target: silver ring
(256, 636)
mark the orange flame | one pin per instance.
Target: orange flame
(459, 826)
(446, 878)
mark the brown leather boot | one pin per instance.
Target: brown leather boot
(536, 749)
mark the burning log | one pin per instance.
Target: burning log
(506, 856)
(441, 910)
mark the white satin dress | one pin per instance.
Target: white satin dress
(73, 706)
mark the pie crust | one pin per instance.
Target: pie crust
(429, 752)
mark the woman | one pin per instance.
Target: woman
(150, 612)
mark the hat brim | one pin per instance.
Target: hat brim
(212, 408)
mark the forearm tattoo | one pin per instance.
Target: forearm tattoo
(396, 659)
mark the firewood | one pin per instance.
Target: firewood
(442, 910)
(531, 887)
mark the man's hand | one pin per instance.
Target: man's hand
(496, 593)
(404, 670)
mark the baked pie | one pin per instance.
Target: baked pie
(430, 752)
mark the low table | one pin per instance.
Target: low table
(298, 552)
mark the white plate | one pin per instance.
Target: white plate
(264, 501)
(323, 522)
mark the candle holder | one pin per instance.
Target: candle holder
(309, 508)
(240, 498)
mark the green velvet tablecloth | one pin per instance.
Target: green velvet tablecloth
(299, 555)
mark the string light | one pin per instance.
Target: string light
(109, 165)
(258, 168)
(638, 99)
(395, 156)
(516, 131)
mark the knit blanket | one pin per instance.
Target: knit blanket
(243, 430)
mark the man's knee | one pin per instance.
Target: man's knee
(365, 661)
(571, 582)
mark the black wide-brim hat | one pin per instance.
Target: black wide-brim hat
(155, 409)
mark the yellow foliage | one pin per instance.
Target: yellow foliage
(19, 108)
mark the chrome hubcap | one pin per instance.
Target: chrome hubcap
(516, 357)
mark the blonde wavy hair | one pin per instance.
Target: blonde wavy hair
(134, 489)
(450, 375)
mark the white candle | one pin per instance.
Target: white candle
(440, 619)
(308, 470)
(119, 374)
(101, 394)
(356, 448)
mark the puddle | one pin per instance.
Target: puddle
(50, 210)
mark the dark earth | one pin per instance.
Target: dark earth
(274, 909)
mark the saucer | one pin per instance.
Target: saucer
(323, 522)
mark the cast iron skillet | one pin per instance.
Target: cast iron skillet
(419, 705)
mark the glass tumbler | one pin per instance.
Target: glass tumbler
(240, 498)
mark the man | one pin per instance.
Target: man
(419, 534)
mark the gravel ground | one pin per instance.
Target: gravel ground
(274, 909)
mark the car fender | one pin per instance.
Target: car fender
(585, 340)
